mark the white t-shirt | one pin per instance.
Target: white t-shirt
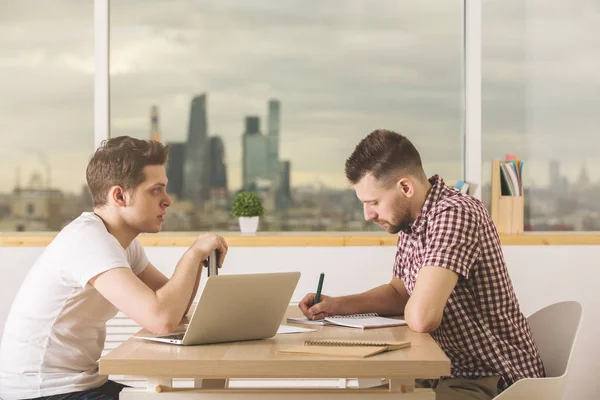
(55, 331)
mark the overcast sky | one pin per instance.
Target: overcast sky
(339, 68)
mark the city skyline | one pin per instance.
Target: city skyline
(540, 176)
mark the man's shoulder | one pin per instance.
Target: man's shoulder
(459, 203)
(84, 230)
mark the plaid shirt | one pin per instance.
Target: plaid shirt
(483, 331)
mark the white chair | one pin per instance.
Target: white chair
(554, 329)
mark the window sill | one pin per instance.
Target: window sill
(307, 239)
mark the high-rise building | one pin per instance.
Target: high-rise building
(252, 125)
(583, 181)
(273, 136)
(554, 172)
(255, 164)
(283, 197)
(175, 169)
(154, 129)
(218, 171)
(37, 207)
(196, 176)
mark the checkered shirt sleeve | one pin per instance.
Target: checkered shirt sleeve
(452, 241)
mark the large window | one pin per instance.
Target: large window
(273, 96)
(541, 102)
(46, 81)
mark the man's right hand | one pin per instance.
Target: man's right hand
(328, 306)
(207, 242)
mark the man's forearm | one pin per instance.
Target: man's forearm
(383, 300)
(187, 309)
(175, 296)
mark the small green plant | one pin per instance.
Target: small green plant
(247, 204)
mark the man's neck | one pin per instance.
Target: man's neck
(424, 191)
(116, 226)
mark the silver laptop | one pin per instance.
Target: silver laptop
(237, 307)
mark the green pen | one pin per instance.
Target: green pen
(319, 287)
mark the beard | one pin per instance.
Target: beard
(395, 228)
(401, 220)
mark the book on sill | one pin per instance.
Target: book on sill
(465, 187)
(360, 321)
(344, 348)
(511, 173)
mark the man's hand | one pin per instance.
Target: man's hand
(327, 307)
(207, 242)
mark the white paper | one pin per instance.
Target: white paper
(293, 329)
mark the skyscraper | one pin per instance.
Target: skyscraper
(254, 153)
(196, 177)
(175, 169)
(273, 138)
(283, 197)
(154, 129)
(554, 170)
(218, 171)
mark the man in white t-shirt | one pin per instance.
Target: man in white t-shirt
(95, 267)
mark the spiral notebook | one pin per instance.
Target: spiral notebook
(361, 321)
(344, 348)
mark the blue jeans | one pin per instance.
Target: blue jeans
(109, 391)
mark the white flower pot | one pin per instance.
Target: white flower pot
(248, 224)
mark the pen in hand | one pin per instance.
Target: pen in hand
(319, 287)
(318, 295)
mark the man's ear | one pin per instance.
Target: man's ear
(118, 196)
(405, 187)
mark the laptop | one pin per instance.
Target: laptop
(236, 308)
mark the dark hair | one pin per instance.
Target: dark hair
(120, 161)
(382, 153)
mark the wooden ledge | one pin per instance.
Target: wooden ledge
(305, 239)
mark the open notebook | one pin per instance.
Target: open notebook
(344, 348)
(361, 321)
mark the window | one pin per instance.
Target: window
(273, 97)
(46, 75)
(540, 102)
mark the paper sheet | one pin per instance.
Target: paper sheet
(293, 329)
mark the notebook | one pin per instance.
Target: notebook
(361, 321)
(344, 348)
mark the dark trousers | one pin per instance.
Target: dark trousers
(484, 388)
(109, 391)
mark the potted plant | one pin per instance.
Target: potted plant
(247, 207)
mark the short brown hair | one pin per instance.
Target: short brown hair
(381, 153)
(120, 161)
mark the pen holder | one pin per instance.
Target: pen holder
(510, 215)
(508, 212)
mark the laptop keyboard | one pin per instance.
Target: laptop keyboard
(176, 336)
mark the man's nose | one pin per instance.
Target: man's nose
(368, 213)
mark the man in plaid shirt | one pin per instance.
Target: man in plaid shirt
(449, 276)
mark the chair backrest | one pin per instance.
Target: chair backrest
(554, 329)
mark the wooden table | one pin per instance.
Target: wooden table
(212, 365)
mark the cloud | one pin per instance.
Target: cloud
(339, 71)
